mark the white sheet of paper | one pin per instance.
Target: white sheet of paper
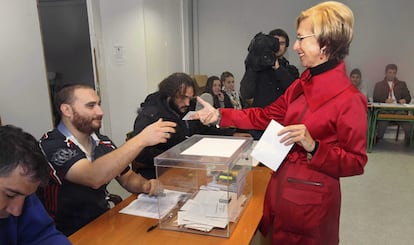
(269, 150)
(188, 115)
(217, 147)
(147, 206)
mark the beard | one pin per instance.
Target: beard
(86, 124)
(180, 110)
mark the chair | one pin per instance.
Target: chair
(115, 199)
(397, 118)
(200, 83)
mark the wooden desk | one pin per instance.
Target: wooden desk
(115, 228)
(378, 112)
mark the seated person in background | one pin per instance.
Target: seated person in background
(227, 79)
(23, 219)
(392, 90)
(220, 98)
(356, 79)
(83, 162)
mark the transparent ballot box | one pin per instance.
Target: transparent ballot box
(207, 184)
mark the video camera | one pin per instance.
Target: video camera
(262, 49)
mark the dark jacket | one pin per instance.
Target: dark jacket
(34, 226)
(382, 89)
(268, 85)
(155, 107)
(227, 101)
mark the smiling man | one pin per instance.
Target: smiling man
(23, 219)
(83, 162)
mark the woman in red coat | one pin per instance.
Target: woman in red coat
(325, 116)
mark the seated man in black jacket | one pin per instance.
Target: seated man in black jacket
(171, 102)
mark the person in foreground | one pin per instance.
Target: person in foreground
(23, 219)
(83, 162)
(325, 117)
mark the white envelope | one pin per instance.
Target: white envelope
(269, 150)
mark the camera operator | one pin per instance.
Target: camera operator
(267, 75)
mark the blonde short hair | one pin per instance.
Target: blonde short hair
(332, 24)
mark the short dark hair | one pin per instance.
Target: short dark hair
(175, 84)
(225, 75)
(355, 71)
(391, 67)
(209, 84)
(280, 33)
(18, 148)
(64, 94)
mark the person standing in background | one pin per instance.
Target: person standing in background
(261, 85)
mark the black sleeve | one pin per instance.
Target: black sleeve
(227, 100)
(405, 92)
(143, 119)
(248, 84)
(285, 78)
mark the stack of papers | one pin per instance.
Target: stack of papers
(209, 209)
(147, 206)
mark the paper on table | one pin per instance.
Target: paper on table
(269, 150)
(217, 147)
(147, 206)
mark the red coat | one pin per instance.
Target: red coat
(303, 197)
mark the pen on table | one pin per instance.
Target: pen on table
(152, 227)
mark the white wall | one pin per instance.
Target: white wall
(382, 34)
(226, 27)
(24, 99)
(150, 36)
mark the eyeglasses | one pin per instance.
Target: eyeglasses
(300, 38)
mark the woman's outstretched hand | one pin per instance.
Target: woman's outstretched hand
(207, 115)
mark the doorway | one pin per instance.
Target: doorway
(66, 43)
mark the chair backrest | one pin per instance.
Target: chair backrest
(200, 83)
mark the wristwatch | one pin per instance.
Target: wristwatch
(311, 153)
(218, 118)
